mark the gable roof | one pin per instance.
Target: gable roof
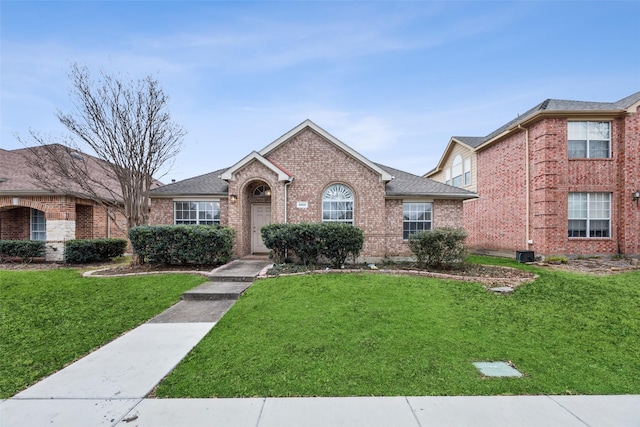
(208, 184)
(16, 178)
(397, 182)
(557, 107)
(409, 185)
(229, 174)
(308, 124)
(548, 107)
(469, 142)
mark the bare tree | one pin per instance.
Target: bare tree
(127, 126)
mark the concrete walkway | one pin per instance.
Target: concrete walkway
(108, 387)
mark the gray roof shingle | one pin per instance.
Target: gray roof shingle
(207, 184)
(403, 184)
(558, 105)
(406, 184)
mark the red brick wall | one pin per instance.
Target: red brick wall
(90, 219)
(496, 221)
(84, 222)
(161, 212)
(629, 181)
(15, 223)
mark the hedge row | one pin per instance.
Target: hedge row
(309, 242)
(182, 244)
(24, 249)
(81, 251)
(442, 247)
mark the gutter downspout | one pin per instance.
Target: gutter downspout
(286, 185)
(528, 184)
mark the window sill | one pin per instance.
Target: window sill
(581, 159)
(573, 239)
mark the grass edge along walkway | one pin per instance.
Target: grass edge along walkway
(50, 318)
(364, 334)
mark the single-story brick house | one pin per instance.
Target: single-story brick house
(308, 175)
(561, 179)
(30, 212)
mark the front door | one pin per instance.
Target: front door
(260, 216)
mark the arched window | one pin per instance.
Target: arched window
(456, 171)
(262, 190)
(337, 204)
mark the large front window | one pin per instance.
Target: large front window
(589, 214)
(589, 140)
(416, 217)
(200, 213)
(38, 225)
(337, 204)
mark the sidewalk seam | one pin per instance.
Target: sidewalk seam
(264, 401)
(119, 420)
(568, 410)
(413, 411)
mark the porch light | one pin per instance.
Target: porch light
(233, 198)
(267, 193)
(636, 196)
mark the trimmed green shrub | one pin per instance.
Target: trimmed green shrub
(340, 241)
(25, 249)
(81, 251)
(182, 244)
(305, 242)
(276, 238)
(309, 242)
(442, 247)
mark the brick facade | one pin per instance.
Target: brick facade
(66, 217)
(497, 220)
(315, 163)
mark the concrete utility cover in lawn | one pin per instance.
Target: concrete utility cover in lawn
(497, 369)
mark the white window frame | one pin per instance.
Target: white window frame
(592, 213)
(573, 138)
(467, 172)
(411, 221)
(338, 204)
(457, 171)
(201, 216)
(38, 225)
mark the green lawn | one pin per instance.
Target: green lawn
(50, 318)
(366, 334)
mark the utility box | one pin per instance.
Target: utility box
(525, 256)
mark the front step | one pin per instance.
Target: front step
(216, 291)
(222, 278)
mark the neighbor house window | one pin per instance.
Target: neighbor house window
(589, 215)
(200, 213)
(38, 225)
(337, 204)
(589, 140)
(416, 217)
(467, 172)
(456, 171)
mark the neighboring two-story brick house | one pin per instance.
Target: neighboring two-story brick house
(308, 175)
(29, 212)
(562, 178)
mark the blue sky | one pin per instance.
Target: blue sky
(393, 80)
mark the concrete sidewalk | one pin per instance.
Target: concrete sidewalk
(108, 388)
